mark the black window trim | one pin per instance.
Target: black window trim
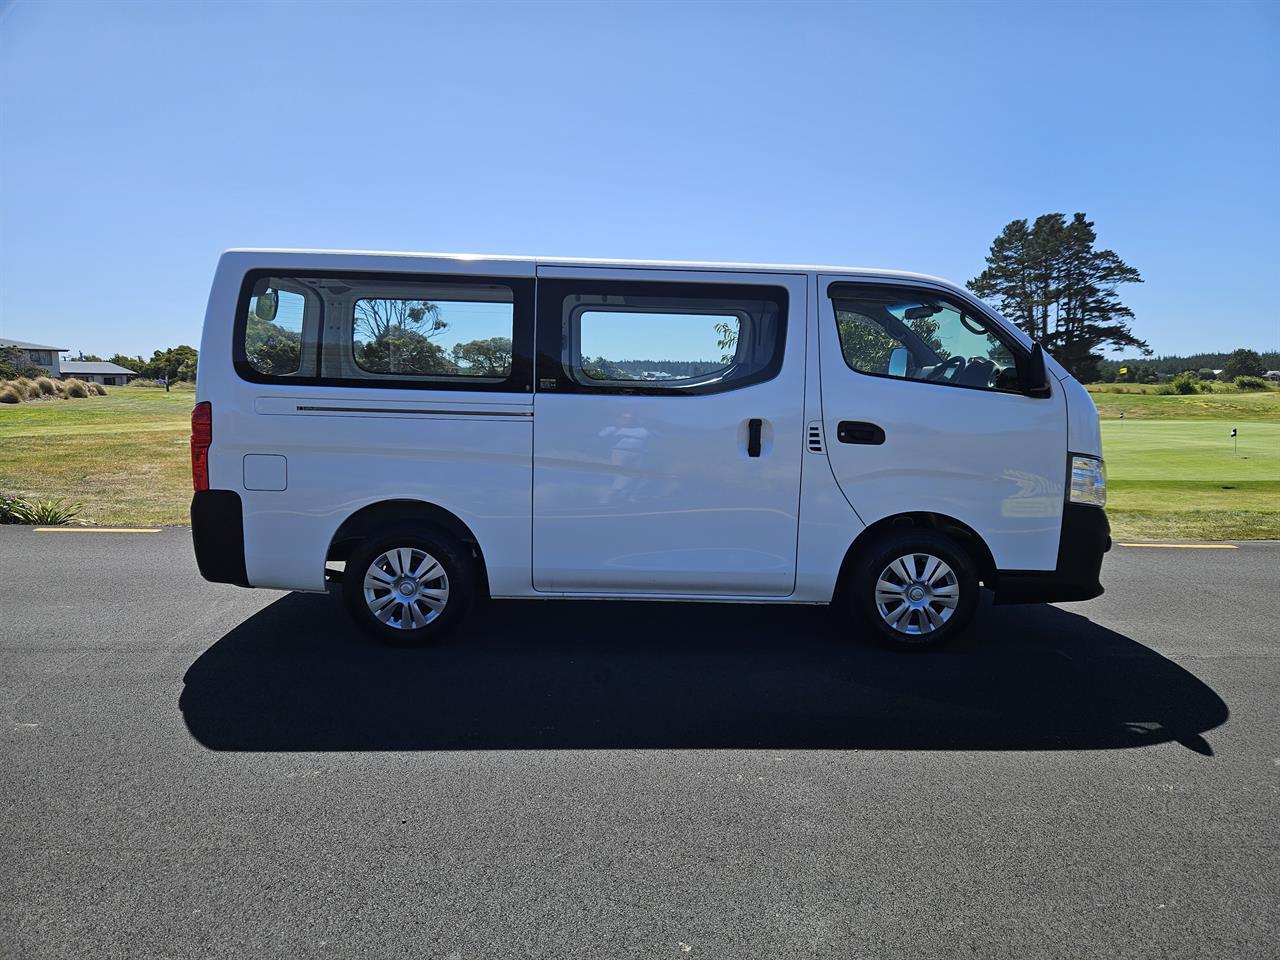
(553, 376)
(1021, 354)
(520, 379)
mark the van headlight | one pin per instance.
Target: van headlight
(1088, 481)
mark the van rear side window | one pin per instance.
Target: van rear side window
(388, 330)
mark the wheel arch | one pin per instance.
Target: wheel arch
(384, 512)
(961, 532)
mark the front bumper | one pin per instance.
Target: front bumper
(1086, 536)
(217, 530)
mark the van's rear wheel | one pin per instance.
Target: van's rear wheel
(915, 588)
(408, 585)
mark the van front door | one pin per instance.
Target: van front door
(667, 431)
(924, 410)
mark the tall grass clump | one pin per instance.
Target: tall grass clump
(9, 393)
(97, 389)
(45, 513)
(28, 387)
(46, 386)
(77, 388)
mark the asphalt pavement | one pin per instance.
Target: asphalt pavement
(194, 770)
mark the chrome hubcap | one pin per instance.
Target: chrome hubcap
(917, 593)
(406, 588)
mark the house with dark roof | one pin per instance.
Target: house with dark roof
(98, 371)
(38, 354)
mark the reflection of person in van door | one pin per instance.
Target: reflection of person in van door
(630, 441)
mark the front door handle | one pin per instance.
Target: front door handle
(859, 431)
(753, 437)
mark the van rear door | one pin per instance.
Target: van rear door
(667, 431)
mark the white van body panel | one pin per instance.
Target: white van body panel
(530, 476)
(828, 524)
(1084, 432)
(350, 447)
(656, 494)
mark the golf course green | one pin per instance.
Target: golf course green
(1175, 472)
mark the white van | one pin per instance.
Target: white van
(434, 429)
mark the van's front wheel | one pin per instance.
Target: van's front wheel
(916, 588)
(408, 587)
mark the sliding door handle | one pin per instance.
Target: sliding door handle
(753, 437)
(859, 431)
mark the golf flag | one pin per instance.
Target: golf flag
(1233, 431)
(1124, 369)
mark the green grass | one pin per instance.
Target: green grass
(124, 456)
(1180, 479)
(1170, 464)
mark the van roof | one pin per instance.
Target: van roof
(608, 262)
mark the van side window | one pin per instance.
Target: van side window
(652, 338)
(916, 335)
(434, 334)
(398, 331)
(273, 335)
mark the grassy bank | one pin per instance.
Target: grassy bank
(1245, 405)
(124, 456)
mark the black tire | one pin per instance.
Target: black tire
(458, 578)
(917, 623)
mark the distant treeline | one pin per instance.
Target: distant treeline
(1174, 364)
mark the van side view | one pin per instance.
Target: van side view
(429, 430)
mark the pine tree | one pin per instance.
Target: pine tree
(1050, 280)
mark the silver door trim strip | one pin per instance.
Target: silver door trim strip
(419, 411)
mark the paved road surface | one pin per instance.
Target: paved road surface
(191, 770)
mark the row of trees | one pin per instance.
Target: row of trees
(1238, 363)
(176, 363)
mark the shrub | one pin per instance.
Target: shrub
(143, 382)
(10, 394)
(77, 388)
(28, 387)
(14, 510)
(51, 513)
(42, 512)
(46, 386)
(97, 389)
(1184, 383)
(1251, 383)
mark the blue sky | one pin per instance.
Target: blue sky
(137, 141)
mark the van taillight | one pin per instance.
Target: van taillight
(201, 437)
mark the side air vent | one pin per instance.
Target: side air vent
(815, 437)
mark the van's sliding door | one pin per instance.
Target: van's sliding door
(667, 431)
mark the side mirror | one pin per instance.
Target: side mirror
(899, 362)
(266, 305)
(1035, 379)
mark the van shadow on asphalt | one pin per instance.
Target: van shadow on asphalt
(630, 675)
